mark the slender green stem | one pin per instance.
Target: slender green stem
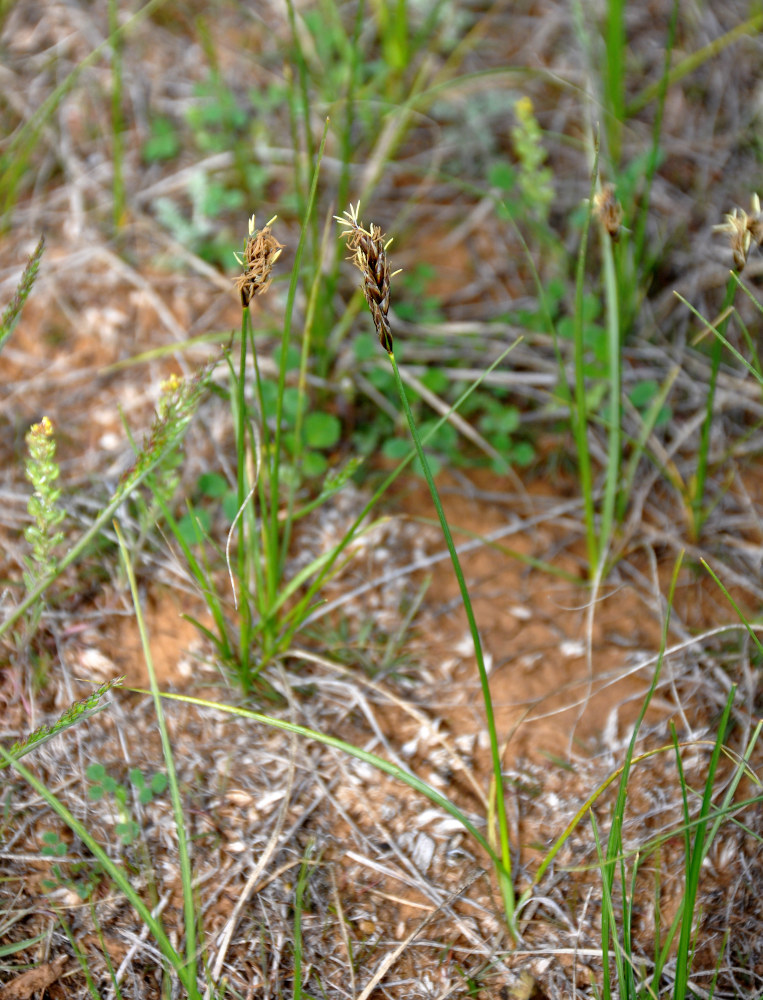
(614, 841)
(615, 75)
(302, 608)
(263, 550)
(302, 393)
(299, 58)
(639, 235)
(694, 861)
(504, 871)
(117, 118)
(735, 606)
(242, 487)
(579, 403)
(274, 570)
(115, 872)
(299, 903)
(346, 139)
(716, 352)
(614, 415)
(751, 368)
(184, 856)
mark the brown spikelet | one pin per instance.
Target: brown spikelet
(369, 254)
(261, 252)
(608, 211)
(743, 231)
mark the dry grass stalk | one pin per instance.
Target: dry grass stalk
(368, 252)
(261, 252)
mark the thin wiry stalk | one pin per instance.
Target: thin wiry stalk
(698, 498)
(614, 406)
(274, 570)
(189, 970)
(117, 118)
(369, 254)
(578, 402)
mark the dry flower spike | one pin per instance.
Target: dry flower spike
(608, 211)
(743, 230)
(261, 252)
(368, 252)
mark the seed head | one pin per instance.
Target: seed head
(368, 252)
(608, 211)
(743, 231)
(261, 252)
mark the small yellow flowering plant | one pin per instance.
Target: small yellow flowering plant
(42, 472)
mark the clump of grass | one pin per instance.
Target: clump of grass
(255, 559)
(262, 622)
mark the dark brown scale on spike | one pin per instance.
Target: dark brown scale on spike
(370, 258)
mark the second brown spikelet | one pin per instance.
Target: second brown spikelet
(368, 253)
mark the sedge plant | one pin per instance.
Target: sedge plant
(744, 233)
(368, 252)
(266, 484)
(266, 610)
(626, 269)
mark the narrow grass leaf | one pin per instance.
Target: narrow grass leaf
(409, 779)
(189, 908)
(115, 872)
